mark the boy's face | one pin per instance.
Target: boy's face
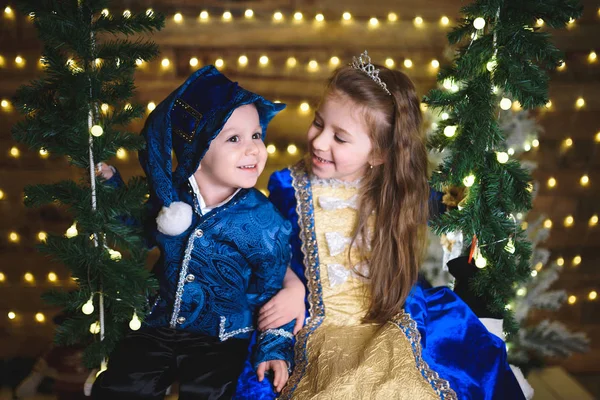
(237, 156)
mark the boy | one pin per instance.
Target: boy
(224, 248)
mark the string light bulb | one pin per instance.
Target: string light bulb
(151, 106)
(2, 277)
(585, 180)
(560, 261)
(418, 21)
(42, 236)
(52, 277)
(502, 157)
(562, 66)
(597, 137)
(580, 103)
(576, 260)
(480, 261)
(227, 16)
(72, 231)
(592, 295)
(263, 60)
(346, 16)
(4, 103)
(569, 220)
(572, 299)
(149, 12)
(14, 237)
(304, 107)
(96, 131)
(1, 194)
(291, 62)
(479, 23)
(320, 17)
(105, 13)
(313, 65)
(408, 63)
(373, 22)
(548, 223)
(95, 328)
(39, 317)
(219, 63)
(551, 182)
(277, 16)
(114, 255)
(194, 62)
(469, 180)
(334, 61)
(88, 307)
(165, 63)
(444, 21)
(29, 277)
(592, 57)
(435, 64)
(505, 104)
(450, 131)
(135, 322)
(15, 152)
(593, 220)
(392, 17)
(292, 149)
(389, 63)
(298, 16)
(121, 153)
(8, 10)
(271, 149)
(243, 60)
(249, 13)
(104, 107)
(178, 18)
(539, 22)
(127, 13)
(204, 16)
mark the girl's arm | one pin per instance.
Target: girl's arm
(285, 306)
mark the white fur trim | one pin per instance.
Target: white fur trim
(525, 386)
(494, 325)
(175, 219)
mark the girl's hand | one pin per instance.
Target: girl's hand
(105, 170)
(284, 307)
(280, 372)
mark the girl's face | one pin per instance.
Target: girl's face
(338, 139)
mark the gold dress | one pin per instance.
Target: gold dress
(337, 356)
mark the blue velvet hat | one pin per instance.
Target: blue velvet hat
(185, 123)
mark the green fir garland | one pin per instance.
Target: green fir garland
(88, 61)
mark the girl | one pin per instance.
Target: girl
(359, 209)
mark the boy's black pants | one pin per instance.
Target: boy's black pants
(146, 363)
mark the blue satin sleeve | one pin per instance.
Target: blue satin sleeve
(457, 346)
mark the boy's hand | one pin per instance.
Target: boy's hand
(280, 372)
(104, 170)
(285, 306)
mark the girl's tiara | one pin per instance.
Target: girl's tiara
(363, 63)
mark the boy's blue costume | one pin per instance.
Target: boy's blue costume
(216, 269)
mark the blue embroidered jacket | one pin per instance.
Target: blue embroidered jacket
(215, 276)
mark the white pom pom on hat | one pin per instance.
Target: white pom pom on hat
(175, 219)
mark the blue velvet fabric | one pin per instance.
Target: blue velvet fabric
(454, 342)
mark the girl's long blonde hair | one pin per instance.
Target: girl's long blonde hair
(395, 189)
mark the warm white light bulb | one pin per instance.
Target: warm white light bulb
(88, 307)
